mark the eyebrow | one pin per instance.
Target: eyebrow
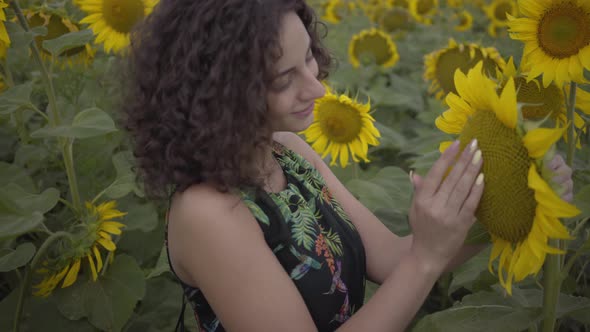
(287, 71)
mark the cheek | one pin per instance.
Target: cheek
(279, 104)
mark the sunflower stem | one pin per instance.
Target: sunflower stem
(552, 287)
(554, 270)
(571, 139)
(54, 119)
(7, 74)
(28, 276)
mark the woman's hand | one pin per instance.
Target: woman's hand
(443, 208)
(563, 177)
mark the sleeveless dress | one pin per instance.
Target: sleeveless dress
(313, 239)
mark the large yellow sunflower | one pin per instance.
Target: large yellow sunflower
(111, 21)
(556, 34)
(372, 45)
(423, 10)
(4, 38)
(539, 102)
(58, 25)
(342, 127)
(440, 65)
(96, 234)
(518, 208)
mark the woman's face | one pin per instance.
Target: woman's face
(294, 89)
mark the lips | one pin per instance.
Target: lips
(307, 110)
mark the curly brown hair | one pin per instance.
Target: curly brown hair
(198, 74)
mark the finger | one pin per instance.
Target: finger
(459, 194)
(417, 181)
(436, 173)
(556, 162)
(450, 182)
(564, 169)
(470, 205)
(569, 197)
(561, 179)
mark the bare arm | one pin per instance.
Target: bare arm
(383, 248)
(408, 267)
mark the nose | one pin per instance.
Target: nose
(312, 88)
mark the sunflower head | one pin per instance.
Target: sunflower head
(464, 20)
(394, 19)
(342, 127)
(111, 21)
(556, 34)
(441, 65)
(400, 3)
(517, 208)
(372, 45)
(98, 228)
(499, 10)
(423, 10)
(58, 25)
(335, 10)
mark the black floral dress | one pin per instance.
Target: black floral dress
(313, 239)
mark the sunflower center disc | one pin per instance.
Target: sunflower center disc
(543, 101)
(55, 28)
(424, 6)
(374, 47)
(501, 10)
(394, 19)
(341, 123)
(507, 207)
(121, 15)
(459, 58)
(564, 30)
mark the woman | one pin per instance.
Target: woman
(261, 234)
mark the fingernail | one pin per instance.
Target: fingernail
(476, 157)
(479, 179)
(412, 176)
(473, 145)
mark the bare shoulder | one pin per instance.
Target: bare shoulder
(199, 214)
(217, 246)
(297, 144)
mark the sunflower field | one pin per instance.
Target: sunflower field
(82, 248)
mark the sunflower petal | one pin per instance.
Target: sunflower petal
(72, 274)
(538, 141)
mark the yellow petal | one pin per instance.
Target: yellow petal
(548, 202)
(92, 266)
(72, 274)
(98, 258)
(506, 111)
(112, 227)
(539, 141)
(107, 244)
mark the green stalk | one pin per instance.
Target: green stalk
(552, 270)
(28, 276)
(571, 139)
(54, 119)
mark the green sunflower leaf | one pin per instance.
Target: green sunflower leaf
(17, 257)
(482, 312)
(109, 302)
(16, 98)
(90, 122)
(68, 41)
